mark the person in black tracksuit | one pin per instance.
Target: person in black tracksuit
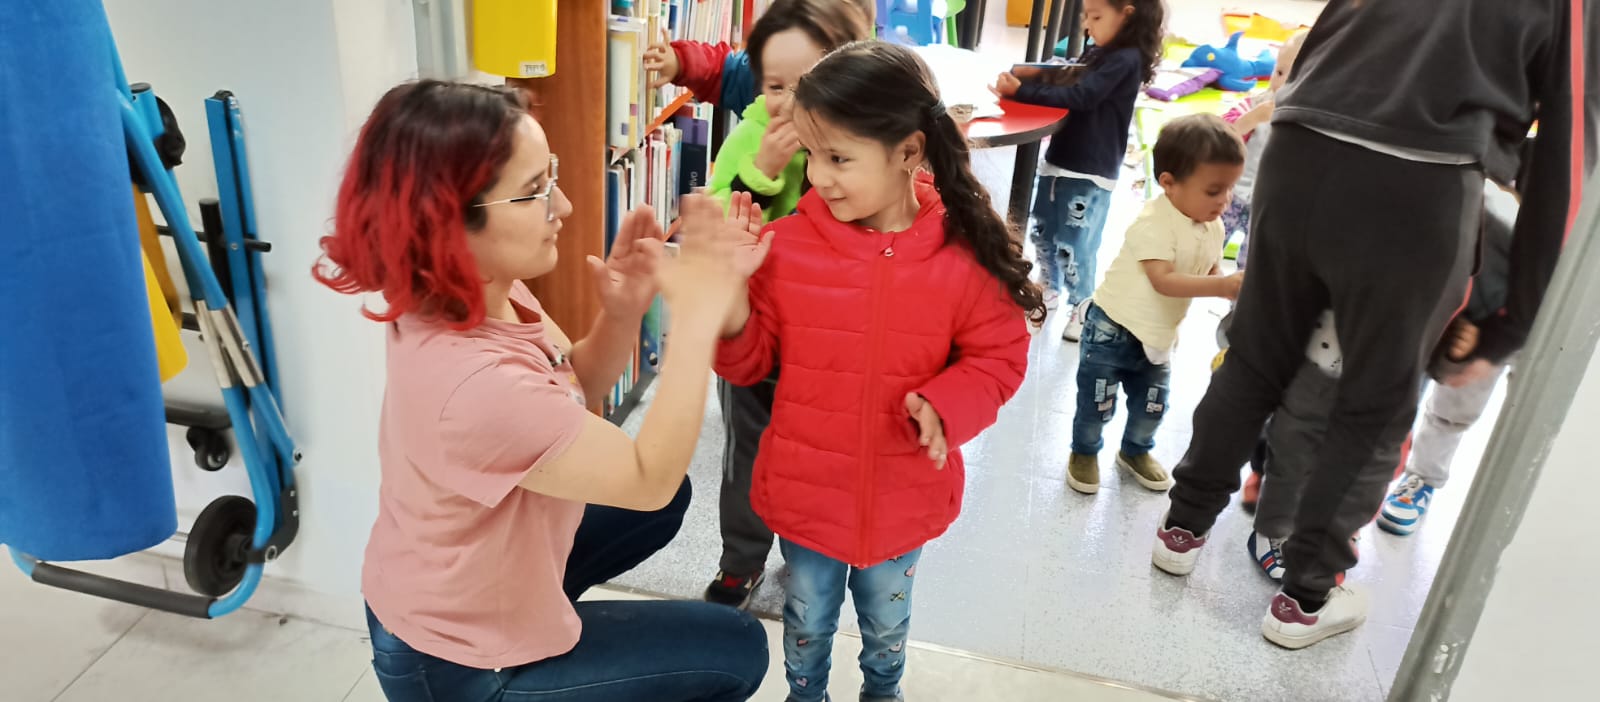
(1369, 202)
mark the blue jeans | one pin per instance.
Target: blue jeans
(1069, 215)
(811, 616)
(1111, 356)
(645, 651)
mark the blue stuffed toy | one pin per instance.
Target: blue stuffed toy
(1237, 73)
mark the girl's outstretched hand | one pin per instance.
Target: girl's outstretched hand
(703, 278)
(930, 428)
(744, 223)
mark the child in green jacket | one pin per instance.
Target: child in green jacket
(762, 156)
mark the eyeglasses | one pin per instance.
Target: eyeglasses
(549, 189)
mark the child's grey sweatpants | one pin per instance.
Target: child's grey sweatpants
(1294, 436)
(1446, 417)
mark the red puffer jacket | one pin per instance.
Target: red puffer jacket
(858, 319)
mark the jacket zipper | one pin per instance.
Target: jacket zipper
(880, 270)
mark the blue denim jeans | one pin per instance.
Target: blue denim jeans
(882, 595)
(1069, 215)
(629, 651)
(1112, 356)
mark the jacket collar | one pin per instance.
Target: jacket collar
(919, 242)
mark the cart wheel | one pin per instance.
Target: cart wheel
(211, 448)
(214, 558)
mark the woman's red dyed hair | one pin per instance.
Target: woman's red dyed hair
(425, 156)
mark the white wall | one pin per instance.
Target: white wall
(306, 72)
(1540, 628)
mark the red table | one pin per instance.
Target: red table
(1022, 126)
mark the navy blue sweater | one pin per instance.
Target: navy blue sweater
(1094, 138)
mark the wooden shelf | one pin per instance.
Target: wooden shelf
(571, 106)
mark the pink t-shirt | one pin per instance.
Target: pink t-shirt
(463, 564)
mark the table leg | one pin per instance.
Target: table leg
(1022, 176)
(1035, 32)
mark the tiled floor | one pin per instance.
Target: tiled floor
(65, 647)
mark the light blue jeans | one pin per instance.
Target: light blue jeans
(811, 617)
(1069, 215)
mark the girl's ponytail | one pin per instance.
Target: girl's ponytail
(970, 214)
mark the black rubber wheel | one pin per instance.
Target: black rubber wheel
(214, 557)
(211, 448)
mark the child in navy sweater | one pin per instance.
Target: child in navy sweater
(1073, 194)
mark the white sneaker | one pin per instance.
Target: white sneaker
(1074, 330)
(1177, 549)
(1052, 299)
(1288, 625)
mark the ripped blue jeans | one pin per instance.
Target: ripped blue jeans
(1111, 356)
(882, 596)
(1069, 215)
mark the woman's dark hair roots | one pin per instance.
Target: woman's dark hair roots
(884, 92)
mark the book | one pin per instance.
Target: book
(624, 63)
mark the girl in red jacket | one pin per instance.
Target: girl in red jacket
(897, 306)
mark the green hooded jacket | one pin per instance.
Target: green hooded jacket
(735, 167)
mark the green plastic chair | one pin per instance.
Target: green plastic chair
(951, 9)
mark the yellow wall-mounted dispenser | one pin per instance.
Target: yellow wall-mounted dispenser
(514, 38)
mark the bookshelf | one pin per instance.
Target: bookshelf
(664, 148)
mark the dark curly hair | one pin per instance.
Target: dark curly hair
(884, 92)
(1142, 30)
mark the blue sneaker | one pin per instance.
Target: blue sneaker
(1406, 506)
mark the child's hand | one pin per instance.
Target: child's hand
(930, 429)
(661, 60)
(1461, 339)
(778, 147)
(744, 224)
(1005, 85)
(1257, 116)
(1231, 285)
